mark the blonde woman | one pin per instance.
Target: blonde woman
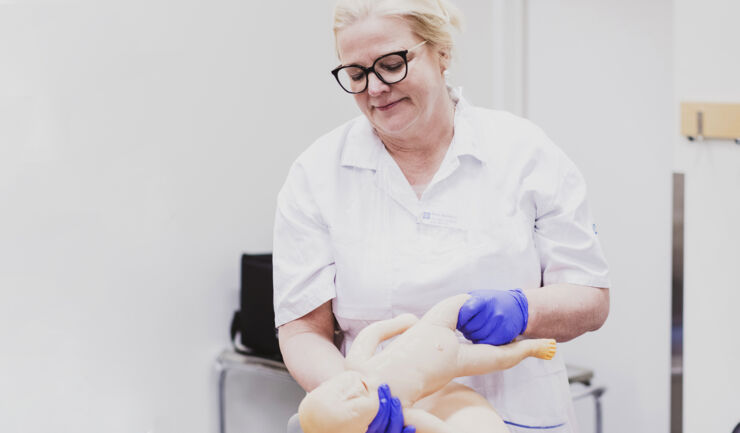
(425, 196)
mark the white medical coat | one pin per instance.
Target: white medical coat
(506, 209)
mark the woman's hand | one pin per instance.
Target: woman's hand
(493, 316)
(390, 414)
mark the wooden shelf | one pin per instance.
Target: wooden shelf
(710, 120)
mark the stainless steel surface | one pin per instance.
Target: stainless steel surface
(578, 374)
(255, 395)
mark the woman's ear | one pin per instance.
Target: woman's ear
(444, 59)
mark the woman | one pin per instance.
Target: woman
(423, 197)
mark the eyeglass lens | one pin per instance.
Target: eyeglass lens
(390, 69)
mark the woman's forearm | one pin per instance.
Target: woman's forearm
(565, 311)
(311, 359)
(307, 345)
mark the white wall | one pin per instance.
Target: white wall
(141, 148)
(599, 83)
(707, 67)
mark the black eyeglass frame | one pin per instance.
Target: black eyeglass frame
(367, 71)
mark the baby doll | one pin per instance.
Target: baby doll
(418, 367)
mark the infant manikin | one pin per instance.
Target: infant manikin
(418, 366)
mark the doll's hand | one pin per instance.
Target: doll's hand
(493, 316)
(390, 414)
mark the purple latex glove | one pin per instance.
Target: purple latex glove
(493, 316)
(390, 414)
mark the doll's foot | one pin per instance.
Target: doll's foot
(546, 349)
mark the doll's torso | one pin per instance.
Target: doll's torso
(417, 363)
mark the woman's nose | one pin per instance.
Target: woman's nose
(375, 86)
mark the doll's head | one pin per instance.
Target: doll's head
(343, 404)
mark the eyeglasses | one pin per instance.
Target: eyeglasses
(389, 68)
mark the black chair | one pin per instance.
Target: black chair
(254, 322)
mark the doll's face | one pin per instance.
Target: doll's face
(342, 404)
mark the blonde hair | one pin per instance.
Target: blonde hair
(432, 20)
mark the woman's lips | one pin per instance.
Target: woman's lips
(389, 106)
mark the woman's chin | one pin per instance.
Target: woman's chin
(393, 126)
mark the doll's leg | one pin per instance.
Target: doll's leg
(425, 422)
(474, 359)
(368, 339)
(445, 312)
(456, 409)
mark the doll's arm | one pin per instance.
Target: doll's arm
(368, 339)
(475, 359)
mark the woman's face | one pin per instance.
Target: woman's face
(400, 109)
